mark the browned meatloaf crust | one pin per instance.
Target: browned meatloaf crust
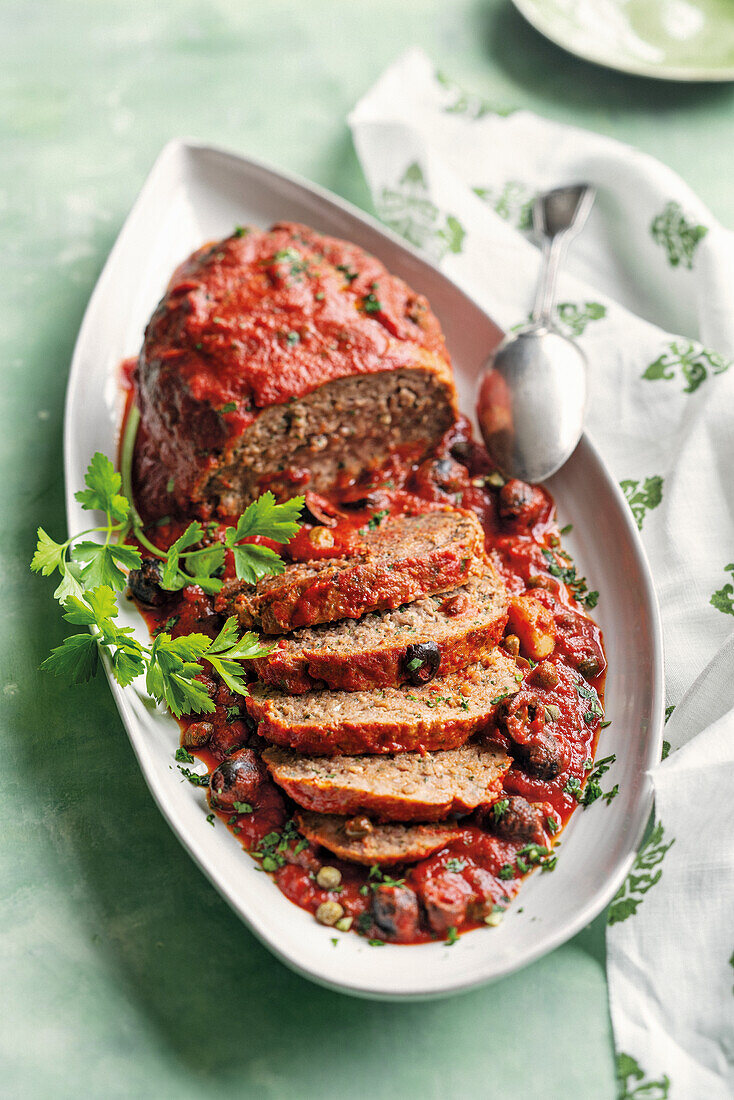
(405, 558)
(410, 786)
(442, 714)
(379, 650)
(283, 352)
(385, 844)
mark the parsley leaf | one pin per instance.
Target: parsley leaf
(49, 555)
(76, 659)
(103, 489)
(252, 562)
(269, 520)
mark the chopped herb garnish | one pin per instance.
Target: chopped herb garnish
(210, 819)
(452, 936)
(347, 272)
(500, 808)
(567, 574)
(455, 865)
(377, 519)
(376, 943)
(506, 871)
(292, 338)
(184, 756)
(242, 807)
(567, 529)
(194, 778)
(230, 407)
(371, 304)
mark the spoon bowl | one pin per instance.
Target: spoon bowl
(531, 403)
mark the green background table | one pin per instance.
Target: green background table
(122, 973)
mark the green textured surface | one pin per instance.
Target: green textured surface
(123, 973)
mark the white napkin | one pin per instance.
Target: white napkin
(649, 297)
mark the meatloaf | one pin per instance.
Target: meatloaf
(442, 714)
(404, 559)
(384, 844)
(407, 787)
(286, 355)
(433, 636)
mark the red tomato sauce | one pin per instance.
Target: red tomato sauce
(475, 877)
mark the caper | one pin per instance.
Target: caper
(545, 675)
(329, 912)
(329, 878)
(358, 826)
(589, 666)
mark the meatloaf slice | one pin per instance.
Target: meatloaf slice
(407, 787)
(385, 844)
(403, 559)
(433, 636)
(281, 354)
(439, 715)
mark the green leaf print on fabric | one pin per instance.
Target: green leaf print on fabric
(513, 202)
(646, 871)
(572, 318)
(461, 102)
(679, 237)
(723, 600)
(641, 498)
(692, 360)
(632, 1083)
(410, 212)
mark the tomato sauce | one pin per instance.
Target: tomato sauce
(473, 879)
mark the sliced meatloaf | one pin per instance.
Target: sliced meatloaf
(384, 844)
(439, 715)
(278, 354)
(433, 636)
(410, 786)
(404, 559)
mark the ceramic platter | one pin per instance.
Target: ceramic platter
(195, 194)
(690, 40)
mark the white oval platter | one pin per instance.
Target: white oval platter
(194, 194)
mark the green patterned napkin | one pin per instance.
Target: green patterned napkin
(649, 297)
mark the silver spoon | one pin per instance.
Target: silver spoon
(532, 394)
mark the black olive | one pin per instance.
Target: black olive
(145, 583)
(462, 451)
(521, 820)
(421, 662)
(237, 779)
(542, 759)
(395, 911)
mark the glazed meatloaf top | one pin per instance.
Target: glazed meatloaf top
(409, 786)
(439, 715)
(405, 558)
(260, 321)
(384, 844)
(433, 636)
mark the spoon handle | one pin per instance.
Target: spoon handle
(558, 217)
(554, 252)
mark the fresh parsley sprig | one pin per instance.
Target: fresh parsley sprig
(92, 572)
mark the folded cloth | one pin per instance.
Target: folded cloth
(648, 296)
